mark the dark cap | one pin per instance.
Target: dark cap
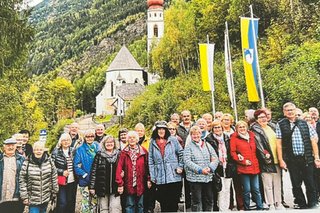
(10, 141)
(161, 124)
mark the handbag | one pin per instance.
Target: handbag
(62, 180)
(217, 182)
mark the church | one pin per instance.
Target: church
(125, 78)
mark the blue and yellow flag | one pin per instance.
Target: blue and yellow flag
(206, 63)
(250, 56)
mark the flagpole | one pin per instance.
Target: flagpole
(231, 75)
(257, 58)
(212, 89)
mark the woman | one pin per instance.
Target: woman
(38, 180)
(62, 156)
(166, 166)
(172, 127)
(265, 139)
(226, 168)
(82, 163)
(200, 163)
(243, 151)
(103, 177)
(134, 162)
(227, 124)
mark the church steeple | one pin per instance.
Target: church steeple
(155, 21)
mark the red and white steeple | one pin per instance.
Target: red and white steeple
(155, 22)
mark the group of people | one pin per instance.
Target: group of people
(181, 159)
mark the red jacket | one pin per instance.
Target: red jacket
(142, 168)
(247, 149)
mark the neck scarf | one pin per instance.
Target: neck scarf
(92, 150)
(133, 152)
(222, 152)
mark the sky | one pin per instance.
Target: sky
(32, 3)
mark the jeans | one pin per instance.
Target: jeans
(201, 196)
(250, 183)
(299, 172)
(134, 204)
(168, 197)
(67, 198)
(38, 208)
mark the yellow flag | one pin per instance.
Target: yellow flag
(206, 63)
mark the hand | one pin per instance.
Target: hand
(65, 173)
(92, 191)
(179, 170)
(317, 163)
(206, 171)
(283, 164)
(122, 173)
(248, 162)
(53, 196)
(149, 184)
(26, 202)
(120, 190)
(240, 157)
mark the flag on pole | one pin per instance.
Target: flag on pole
(228, 68)
(250, 56)
(206, 63)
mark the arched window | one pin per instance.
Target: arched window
(155, 31)
(155, 15)
(160, 14)
(111, 89)
(136, 81)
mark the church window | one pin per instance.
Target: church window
(155, 15)
(155, 30)
(111, 89)
(136, 81)
(160, 14)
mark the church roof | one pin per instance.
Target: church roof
(129, 91)
(124, 61)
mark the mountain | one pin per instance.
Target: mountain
(73, 36)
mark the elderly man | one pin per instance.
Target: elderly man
(99, 133)
(297, 150)
(209, 118)
(10, 166)
(77, 139)
(175, 118)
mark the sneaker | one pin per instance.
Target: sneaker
(285, 205)
(280, 207)
(272, 208)
(297, 206)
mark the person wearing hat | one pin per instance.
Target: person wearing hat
(166, 166)
(10, 166)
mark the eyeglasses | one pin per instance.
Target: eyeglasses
(90, 136)
(171, 128)
(259, 117)
(217, 127)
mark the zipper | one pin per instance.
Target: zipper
(111, 178)
(40, 183)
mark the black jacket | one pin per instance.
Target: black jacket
(103, 175)
(231, 169)
(60, 160)
(263, 147)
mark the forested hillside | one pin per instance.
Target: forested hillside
(81, 33)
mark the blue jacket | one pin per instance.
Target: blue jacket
(163, 169)
(19, 162)
(196, 159)
(83, 161)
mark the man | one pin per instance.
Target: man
(140, 129)
(175, 118)
(208, 117)
(10, 166)
(297, 150)
(75, 136)
(299, 113)
(99, 133)
(123, 138)
(185, 125)
(218, 115)
(271, 123)
(26, 147)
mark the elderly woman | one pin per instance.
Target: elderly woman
(62, 157)
(82, 164)
(173, 128)
(134, 162)
(200, 161)
(166, 166)
(265, 139)
(38, 180)
(243, 151)
(103, 176)
(226, 168)
(227, 124)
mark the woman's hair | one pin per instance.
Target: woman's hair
(215, 123)
(258, 112)
(133, 133)
(106, 138)
(89, 132)
(38, 144)
(241, 123)
(64, 136)
(228, 116)
(158, 125)
(194, 129)
(171, 124)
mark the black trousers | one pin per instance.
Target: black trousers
(201, 196)
(12, 207)
(300, 171)
(168, 196)
(149, 200)
(67, 198)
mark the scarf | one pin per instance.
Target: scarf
(246, 136)
(222, 151)
(133, 152)
(111, 157)
(92, 150)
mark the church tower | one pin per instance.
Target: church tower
(155, 21)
